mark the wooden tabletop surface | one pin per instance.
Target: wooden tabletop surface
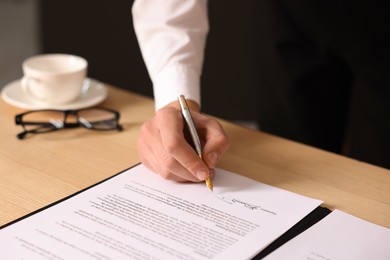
(44, 168)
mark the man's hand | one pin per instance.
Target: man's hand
(163, 148)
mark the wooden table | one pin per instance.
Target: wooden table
(45, 168)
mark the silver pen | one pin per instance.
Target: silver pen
(185, 110)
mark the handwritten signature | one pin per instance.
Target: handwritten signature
(250, 206)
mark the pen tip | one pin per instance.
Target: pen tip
(209, 183)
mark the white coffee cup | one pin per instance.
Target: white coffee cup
(54, 78)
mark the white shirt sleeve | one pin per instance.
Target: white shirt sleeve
(172, 36)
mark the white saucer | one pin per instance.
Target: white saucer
(95, 92)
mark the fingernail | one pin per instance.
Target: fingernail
(212, 173)
(213, 158)
(201, 174)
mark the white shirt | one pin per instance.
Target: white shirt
(172, 36)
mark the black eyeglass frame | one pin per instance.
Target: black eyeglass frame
(45, 127)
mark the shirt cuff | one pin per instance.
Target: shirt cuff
(174, 81)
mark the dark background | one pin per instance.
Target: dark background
(102, 32)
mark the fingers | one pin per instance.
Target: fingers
(216, 142)
(163, 148)
(152, 158)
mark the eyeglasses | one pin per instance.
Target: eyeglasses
(48, 120)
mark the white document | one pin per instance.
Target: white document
(338, 236)
(139, 215)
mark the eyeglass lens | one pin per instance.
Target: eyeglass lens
(97, 119)
(43, 121)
